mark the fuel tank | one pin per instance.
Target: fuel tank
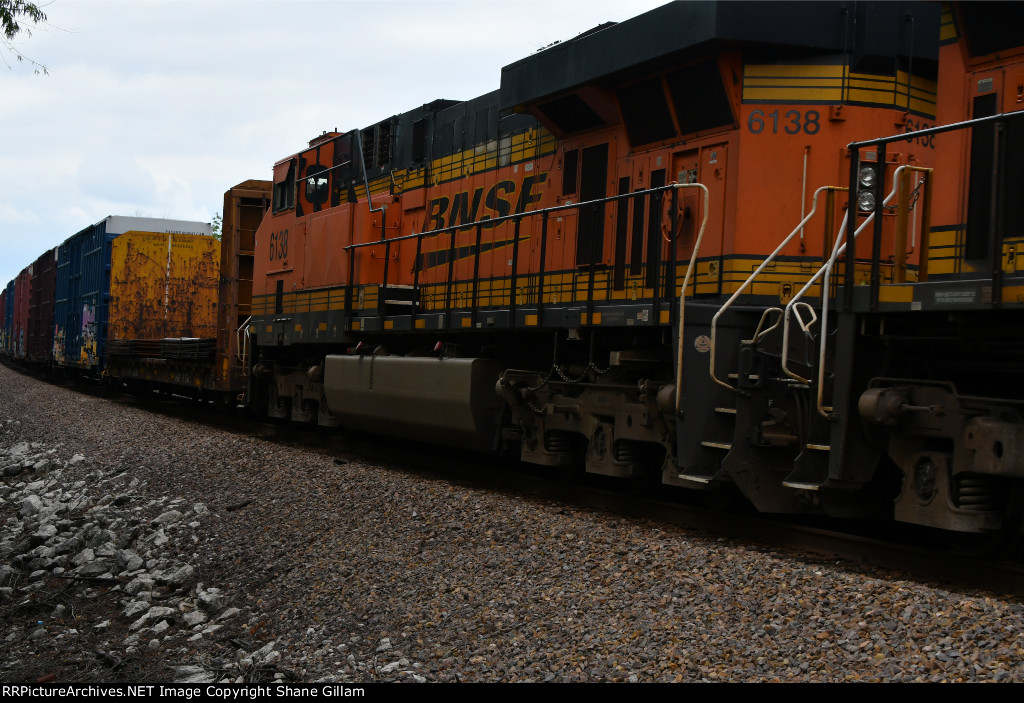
(437, 400)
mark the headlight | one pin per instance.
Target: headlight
(867, 177)
(866, 201)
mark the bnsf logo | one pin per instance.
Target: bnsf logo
(463, 209)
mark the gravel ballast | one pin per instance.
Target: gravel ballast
(137, 547)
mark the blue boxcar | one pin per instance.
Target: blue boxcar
(83, 287)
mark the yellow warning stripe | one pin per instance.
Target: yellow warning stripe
(833, 84)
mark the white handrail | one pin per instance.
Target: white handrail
(804, 326)
(243, 347)
(837, 249)
(746, 284)
(760, 333)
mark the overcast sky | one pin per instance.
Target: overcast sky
(156, 108)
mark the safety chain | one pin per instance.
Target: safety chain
(566, 378)
(532, 407)
(914, 195)
(590, 367)
(524, 392)
(543, 382)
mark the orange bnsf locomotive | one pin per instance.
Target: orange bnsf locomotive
(763, 251)
(662, 250)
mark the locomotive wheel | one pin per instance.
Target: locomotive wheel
(1007, 544)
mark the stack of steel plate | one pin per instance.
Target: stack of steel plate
(188, 348)
(135, 347)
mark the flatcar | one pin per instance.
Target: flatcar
(178, 300)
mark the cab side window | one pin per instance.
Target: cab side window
(284, 186)
(316, 185)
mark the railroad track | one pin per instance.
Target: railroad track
(903, 555)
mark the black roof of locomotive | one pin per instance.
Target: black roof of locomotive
(685, 28)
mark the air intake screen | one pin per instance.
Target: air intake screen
(699, 98)
(571, 114)
(646, 111)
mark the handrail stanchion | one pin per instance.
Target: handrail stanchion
(540, 276)
(351, 288)
(476, 269)
(670, 276)
(414, 308)
(512, 280)
(382, 303)
(899, 262)
(448, 288)
(594, 223)
(849, 282)
(876, 239)
(682, 290)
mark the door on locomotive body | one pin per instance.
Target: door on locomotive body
(326, 259)
(647, 214)
(983, 92)
(564, 224)
(642, 225)
(378, 220)
(577, 235)
(991, 92)
(593, 185)
(706, 165)
(685, 170)
(595, 232)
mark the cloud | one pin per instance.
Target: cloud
(15, 217)
(114, 180)
(159, 107)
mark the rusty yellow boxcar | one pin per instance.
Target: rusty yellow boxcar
(163, 308)
(163, 285)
